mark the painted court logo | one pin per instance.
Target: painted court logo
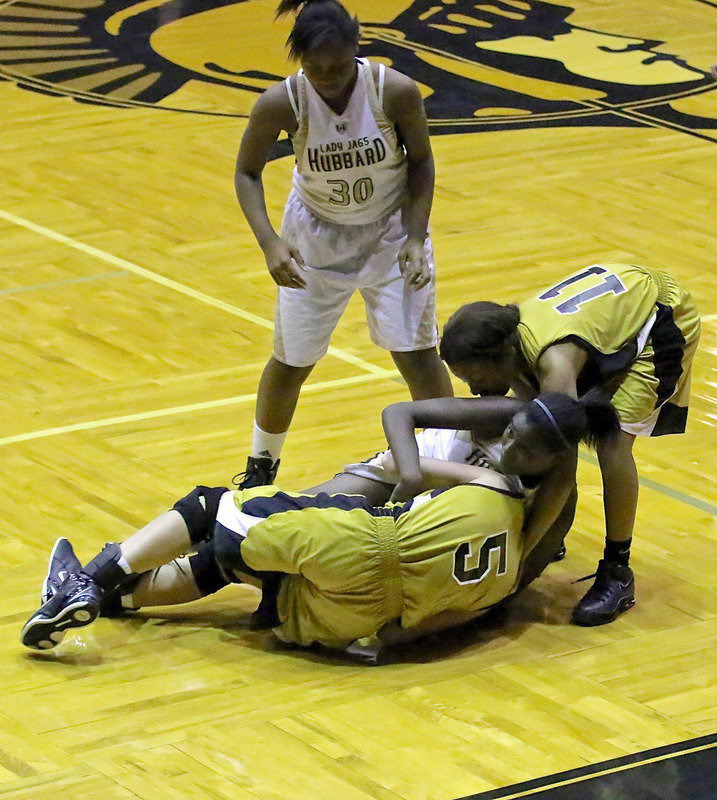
(496, 65)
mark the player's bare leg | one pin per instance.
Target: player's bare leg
(614, 589)
(375, 492)
(276, 400)
(157, 543)
(424, 372)
(78, 600)
(176, 583)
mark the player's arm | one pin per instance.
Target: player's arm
(558, 370)
(550, 499)
(559, 367)
(438, 473)
(271, 114)
(403, 105)
(393, 633)
(488, 416)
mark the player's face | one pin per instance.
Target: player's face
(484, 377)
(524, 450)
(331, 70)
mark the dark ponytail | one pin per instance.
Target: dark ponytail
(592, 419)
(603, 421)
(318, 23)
(481, 331)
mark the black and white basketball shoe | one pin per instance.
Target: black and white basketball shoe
(260, 471)
(74, 604)
(63, 562)
(612, 593)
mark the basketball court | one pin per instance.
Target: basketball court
(136, 319)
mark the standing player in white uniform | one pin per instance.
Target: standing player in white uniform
(356, 217)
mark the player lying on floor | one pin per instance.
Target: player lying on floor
(377, 477)
(332, 567)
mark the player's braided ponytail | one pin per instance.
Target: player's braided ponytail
(318, 23)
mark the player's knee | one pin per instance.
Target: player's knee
(289, 374)
(208, 575)
(199, 510)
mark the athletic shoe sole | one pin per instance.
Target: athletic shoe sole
(44, 633)
(603, 619)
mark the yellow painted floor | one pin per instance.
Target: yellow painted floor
(136, 313)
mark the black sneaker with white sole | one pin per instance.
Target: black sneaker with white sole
(63, 562)
(76, 603)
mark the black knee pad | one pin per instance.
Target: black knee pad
(200, 517)
(207, 573)
(227, 549)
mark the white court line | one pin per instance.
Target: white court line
(178, 287)
(168, 412)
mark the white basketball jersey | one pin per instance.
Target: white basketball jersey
(350, 168)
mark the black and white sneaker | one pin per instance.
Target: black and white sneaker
(63, 562)
(76, 603)
(260, 471)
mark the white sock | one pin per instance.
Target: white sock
(123, 563)
(267, 445)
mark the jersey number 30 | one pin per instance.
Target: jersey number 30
(463, 555)
(343, 192)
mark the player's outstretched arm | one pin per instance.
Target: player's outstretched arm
(550, 499)
(488, 416)
(437, 473)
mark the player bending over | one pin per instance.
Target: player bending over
(631, 330)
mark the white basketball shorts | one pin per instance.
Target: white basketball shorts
(340, 260)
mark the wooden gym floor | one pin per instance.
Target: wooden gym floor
(136, 318)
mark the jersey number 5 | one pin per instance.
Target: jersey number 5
(610, 284)
(462, 574)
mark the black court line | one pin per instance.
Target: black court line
(680, 771)
(595, 106)
(655, 122)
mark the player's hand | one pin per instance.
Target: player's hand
(406, 490)
(285, 264)
(413, 263)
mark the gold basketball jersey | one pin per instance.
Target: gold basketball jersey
(351, 567)
(607, 309)
(460, 550)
